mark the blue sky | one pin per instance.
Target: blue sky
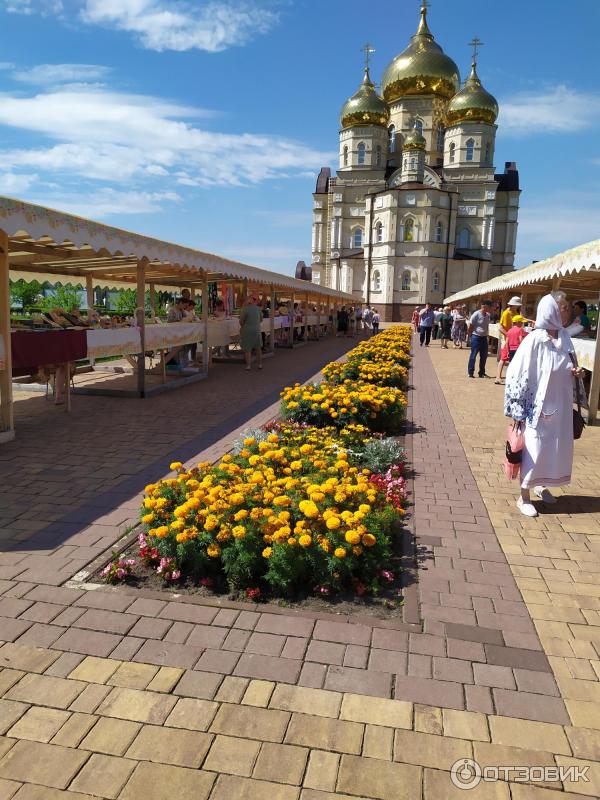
(206, 122)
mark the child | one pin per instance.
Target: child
(515, 335)
(375, 322)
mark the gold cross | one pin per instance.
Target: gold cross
(425, 4)
(475, 43)
(367, 50)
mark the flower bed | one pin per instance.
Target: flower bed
(308, 504)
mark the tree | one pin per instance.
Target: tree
(24, 294)
(65, 297)
(126, 302)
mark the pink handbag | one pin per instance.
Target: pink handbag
(515, 442)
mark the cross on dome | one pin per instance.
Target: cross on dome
(367, 50)
(475, 43)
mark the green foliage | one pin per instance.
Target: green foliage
(126, 302)
(66, 297)
(25, 293)
(379, 455)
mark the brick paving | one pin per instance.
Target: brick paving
(113, 694)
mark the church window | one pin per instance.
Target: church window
(439, 231)
(464, 239)
(413, 163)
(406, 163)
(488, 159)
(409, 229)
(361, 152)
(406, 281)
(376, 281)
(470, 149)
(440, 139)
(452, 152)
(378, 156)
(392, 138)
(379, 232)
(346, 156)
(419, 125)
(357, 237)
(436, 282)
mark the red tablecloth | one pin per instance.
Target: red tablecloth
(33, 349)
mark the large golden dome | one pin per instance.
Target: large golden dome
(366, 107)
(423, 68)
(414, 140)
(473, 103)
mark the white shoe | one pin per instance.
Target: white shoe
(526, 508)
(247, 367)
(544, 494)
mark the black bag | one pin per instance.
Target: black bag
(512, 457)
(578, 420)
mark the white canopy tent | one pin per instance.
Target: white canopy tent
(576, 272)
(45, 244)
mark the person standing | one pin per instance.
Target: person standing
(539, 394)
(415, 319)
(375, 322)
(359, 322)
(437, 316)
(459, 327)
(513, 307)
(368, 319)
(342, 321)
(446, 327)
(250, 325)
(425, 324)
(515, 336)
(479, 326)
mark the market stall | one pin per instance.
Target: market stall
(575, 272)
(37, 241)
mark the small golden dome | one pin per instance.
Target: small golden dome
(366, 107)
(423, 68)
(414, 140)
(473, 103)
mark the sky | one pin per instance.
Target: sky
(206, 123)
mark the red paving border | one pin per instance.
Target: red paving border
(478, 648)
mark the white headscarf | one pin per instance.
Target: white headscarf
(548, 315)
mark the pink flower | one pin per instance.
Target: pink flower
(175, 575)
(120, 573)
(253, 594)
(207, 582)
(389, 576)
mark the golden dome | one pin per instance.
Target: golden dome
(414, 140)
(366, 107)
(423, 68)
(473, 103)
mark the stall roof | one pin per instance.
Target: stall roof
(49, 243)
(578, 270)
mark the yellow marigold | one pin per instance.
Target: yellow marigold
(147, 519)
(333, 523)
(364, 507)
(213, 550)
(305, 540)
(295, 465)
(236, 498)
(340, 552)
(226, 458)
(178, 525)
(325, 545)
(249, 440)
(308, 508)
(267, 552)
(149, 502)
(268, 512)
(292, 541)
(368, 540)
(282, 500)
(161, 532)
(150, 488)
(255, 513)
(162, 502)
(181, 511)
(273, 438)
(352, 537)
(239, 531)
(241, 514)
(175, 466)
(357, 550)
(210, 522)
(254, 460)
(317, 496)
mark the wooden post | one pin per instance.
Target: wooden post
(272, 320)
(141, 322)
(318, 317)
(7, 428)
(205, 347)
(594, 398)
(89, 290)
(293, 320)
(153, 299)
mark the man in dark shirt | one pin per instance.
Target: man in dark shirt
(426, 318)
(479, 325)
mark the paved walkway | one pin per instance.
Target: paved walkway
(110, 694)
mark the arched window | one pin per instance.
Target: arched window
(376, 281)
(419, 125)
(436, 282)
(440, 139)
(361, 152)
(413, 163)
(378, 156)
(452, 152)
(406, 163)
(464, 239)
(357, 237)
(488, 156)
(470, 149)
(406, 281)
(439, 231)
(346, 155)
(409, 229)
(379, 232)
(392, 139)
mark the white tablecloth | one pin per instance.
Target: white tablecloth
(113, 342)
(162, 337)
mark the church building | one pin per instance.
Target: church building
(416, 211)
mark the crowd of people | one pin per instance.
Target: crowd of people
(351, 320)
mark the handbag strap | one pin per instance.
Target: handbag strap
(576, 379)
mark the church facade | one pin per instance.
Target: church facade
(416, 210)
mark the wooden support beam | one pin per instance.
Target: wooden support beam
(7, 426)
(205, 347)
(89, 291)
(153, 298)
(141, 322)
(594, 398)
(272, 320)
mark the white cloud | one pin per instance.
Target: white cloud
(117, 137)
(106, 202)
(43, 7)
(12, 183)
(53, 74)
(556, 110)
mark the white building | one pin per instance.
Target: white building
(416, 211)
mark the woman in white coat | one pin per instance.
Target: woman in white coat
(539, 392)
